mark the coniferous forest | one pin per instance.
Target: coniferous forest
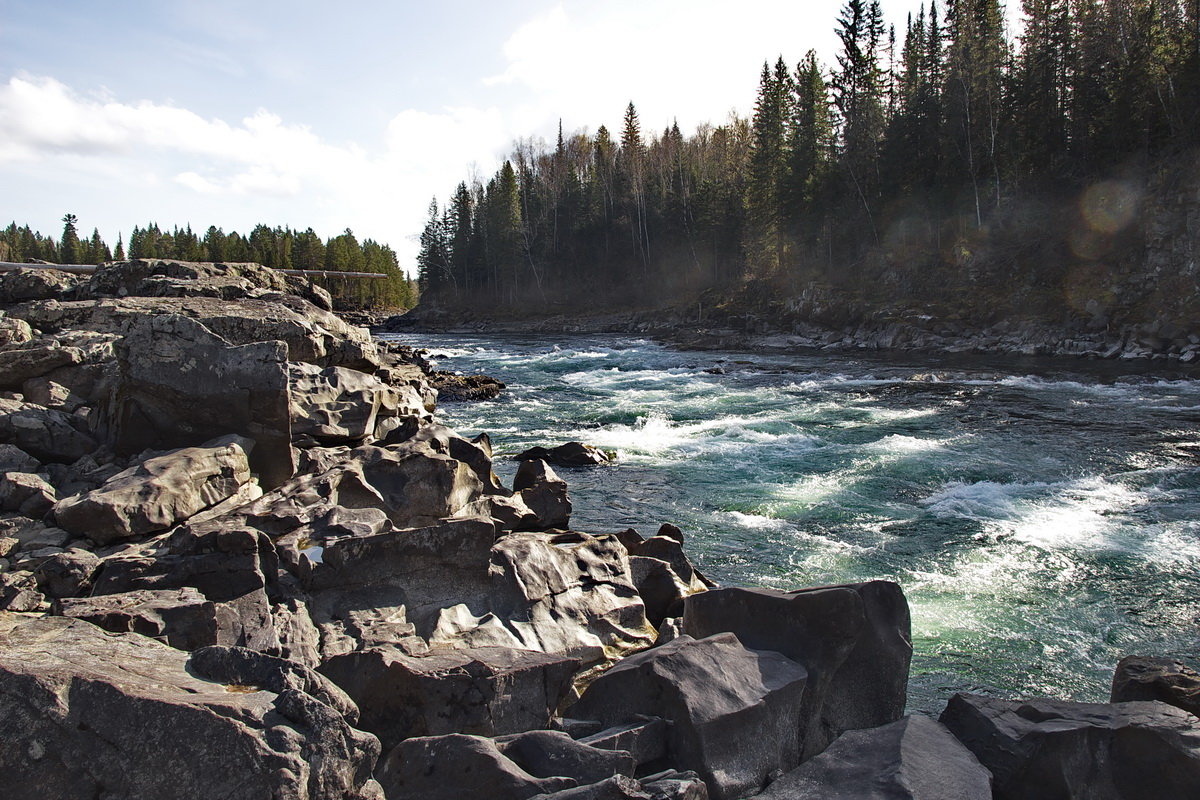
(279, 248)
(944, 166)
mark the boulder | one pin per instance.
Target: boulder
(659, 587)
(914, 758)
(456, 766)
(571, 454)
(854, 640)
(464, 387)
(1042, 749)
(178, 384)
(28, 494)
(544, 493)
(1165, 679)
(47, 355)
(120, 716)
(44, 433)
(67, 574)
(13, 330)
(19, 591)
(22, 285)
(14, 459)
(158, 493)
(547, 754)
(736, 712)
(181, 618)
(644, 739)
(486, 691)
(336, 405)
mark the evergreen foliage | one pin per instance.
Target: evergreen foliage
(896, 161)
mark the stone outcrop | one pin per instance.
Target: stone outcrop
(104, 715)
(571, 454)
(1165, 679)
(1043, 748)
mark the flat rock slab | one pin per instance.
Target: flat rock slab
(1043, 749)
(914, 758)
(120, 716)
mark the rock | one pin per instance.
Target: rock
(571, 454)
(14, 459)
(19, 591)
(26, 493)
(22, 285)
(1165, 679)
(547, 754)
(659, 587)
(44, 433)
(618, 787)
(454, 767)
(48, 393)
(644, 739)
(675, 785)
(179, 385)
(119, 716)
(671, 532)
(67, 574)
(13, 330)
(181, 618)
(1041, 749)
(160, 492)
(32, 534)
(914, 758)
(736, 712)
(453, 387)
(336, 405)
(485, 691)
(854, 640)
(19, 363)
(237, 665)
(544, 493)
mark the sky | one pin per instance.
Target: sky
(350, 115)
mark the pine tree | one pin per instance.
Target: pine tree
(70, 249)
(119, 253)
(768, 165)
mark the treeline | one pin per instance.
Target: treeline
(278, 248)
(911, 140)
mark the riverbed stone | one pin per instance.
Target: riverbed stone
(1041, 749)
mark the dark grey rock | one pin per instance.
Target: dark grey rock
(19, 591)
(456, 766)
(1165, 679)
(44, 433)
(854, 640)
(67, 574)
(571, 454)
(181, 618)
(547, 754)
(26, 493)
(644, 739)
(1043, 749)
(544, 493)
(735, 712)
(914, 758)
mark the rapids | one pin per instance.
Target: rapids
(1043, 517)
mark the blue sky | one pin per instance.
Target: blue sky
(346, 115)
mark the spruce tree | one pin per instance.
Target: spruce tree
(70, 249)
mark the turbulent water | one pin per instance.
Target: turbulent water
(1043, 520)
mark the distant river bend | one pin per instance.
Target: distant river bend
(1043, 518)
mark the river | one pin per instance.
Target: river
(1042, 517)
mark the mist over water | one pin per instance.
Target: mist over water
(1043, 518)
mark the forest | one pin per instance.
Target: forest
(279, 248)
(940, 164)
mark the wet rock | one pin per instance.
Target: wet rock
(179, 385)
(1165, 679)
(854, 640)
(44, 433)
(160, 492)
(485, 691)
(19, 591)
(735, 711)
(103, 715)
(571, 454)
(457, 766)
(914, 758)
(26, 493)
(181, 618)
(1042, 749)
(470, 388)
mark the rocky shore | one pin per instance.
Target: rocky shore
(240, 558)
(695, 328)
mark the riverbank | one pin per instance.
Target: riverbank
(242, 558)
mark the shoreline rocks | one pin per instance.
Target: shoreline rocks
(242, 559)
